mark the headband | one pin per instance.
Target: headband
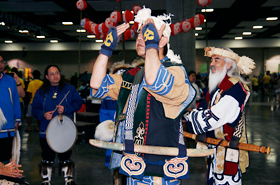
(244, 64)
(145, 13)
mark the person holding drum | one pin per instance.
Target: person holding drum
(54, 98)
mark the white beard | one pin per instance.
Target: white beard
(216, 78)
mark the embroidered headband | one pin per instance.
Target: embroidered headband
(244, 64)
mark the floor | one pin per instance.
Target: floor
(263, 127)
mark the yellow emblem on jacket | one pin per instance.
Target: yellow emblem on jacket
(109, 38)
(148, 35)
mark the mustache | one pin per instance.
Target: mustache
(213, 67)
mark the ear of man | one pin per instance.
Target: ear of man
(163, 41)
(229, 64)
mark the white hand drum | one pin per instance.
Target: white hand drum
(61, 134)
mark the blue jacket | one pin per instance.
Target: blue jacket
(10, 105)
(45, 102)
(107, 110)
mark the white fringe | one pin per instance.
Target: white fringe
(105, 130)
(173, 57)
(16, 147)
(3, 120)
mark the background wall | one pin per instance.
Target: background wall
(67, 61)
(265, 59)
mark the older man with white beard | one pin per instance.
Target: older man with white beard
(224, 118)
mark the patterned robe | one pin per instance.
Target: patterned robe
(224, 119)
(155, 116)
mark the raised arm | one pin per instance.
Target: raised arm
(100, 65)
(154, 41)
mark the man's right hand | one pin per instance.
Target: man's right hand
(112, 38)
(48, 115)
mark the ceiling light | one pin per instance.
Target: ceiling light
(23, 31)
(198, 28)
(99, 41)
(131, 22)
(196, 34)
(204, 20)
(247, 33)
(207, 10)
(257, 27)
(238, 38)
(91, 36)
(2, 23)
(80, 30)
(271, 18)
(54, 41)
(40, 36)
(67, 23)
(8, 41)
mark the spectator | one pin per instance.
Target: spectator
(31, 89)
(266, 80)
(20, 85)
(255, 85)
(192, 78)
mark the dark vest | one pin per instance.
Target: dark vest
(149, 116)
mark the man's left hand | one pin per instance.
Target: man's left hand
(151, 34)
(60, 109)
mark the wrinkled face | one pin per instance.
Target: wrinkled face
(192, 77)
(140, 44)
(2, 64)
(217, 63)
(53, 76)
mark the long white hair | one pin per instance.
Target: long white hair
(233, 72)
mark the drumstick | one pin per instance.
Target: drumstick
(61, 101)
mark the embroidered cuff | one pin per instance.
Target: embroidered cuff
(163, 83)
(108, 80)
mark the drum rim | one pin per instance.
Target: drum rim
(76, 135)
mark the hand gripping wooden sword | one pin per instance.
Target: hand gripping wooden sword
(241, 146)
(157, 150)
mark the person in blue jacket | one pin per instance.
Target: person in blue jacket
(10, 113)
(46, 100)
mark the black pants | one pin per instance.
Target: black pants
(49, 155)
(6, 145)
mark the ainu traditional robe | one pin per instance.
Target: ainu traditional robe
(156, 112)
(224, 119)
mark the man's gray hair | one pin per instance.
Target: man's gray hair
(234, 71)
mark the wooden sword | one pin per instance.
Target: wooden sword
(241, 146)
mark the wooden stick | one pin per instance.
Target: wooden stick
(61, 101)
(157, 150)
(241, 146)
